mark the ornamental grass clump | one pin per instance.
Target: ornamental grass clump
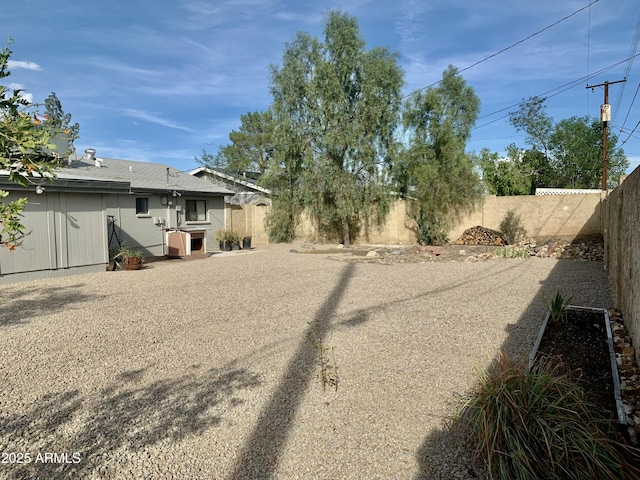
(538, 424)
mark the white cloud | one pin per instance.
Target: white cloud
(24, 95)
(152, 118)
(15, 64)
(119, 67)
(27, 96)
(189, 68)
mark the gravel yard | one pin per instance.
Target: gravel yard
(208, 369)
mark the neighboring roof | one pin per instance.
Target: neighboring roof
(142, 176)
(225, 177)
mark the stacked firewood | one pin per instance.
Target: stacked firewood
(481, 236)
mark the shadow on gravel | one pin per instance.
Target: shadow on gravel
(363, 315)
(587, 282)
(95, 433)
(260, 455)
(22, 305)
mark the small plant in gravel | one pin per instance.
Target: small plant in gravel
(513, 252)
(326, 361)
(511, 227)
(529, 424)
(557, 306)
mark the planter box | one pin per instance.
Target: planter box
(600, 328)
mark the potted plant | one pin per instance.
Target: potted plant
(225, 239)
(131, 258)
(235, 238)
(246, 242)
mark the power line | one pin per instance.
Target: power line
(632, 51)
(548, 94)
(506, 48)
(631, 134)
(630, 106)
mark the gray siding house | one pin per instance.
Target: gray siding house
(95, 204)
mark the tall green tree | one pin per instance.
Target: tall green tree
(532, 119)
(340, 103)
(25, 153)
(251, 146)
(540, 168)
(504, 176)
(284, 178)
(440, 175)
(520, 173)
(567, 154)
(56, 119)
(576, 146)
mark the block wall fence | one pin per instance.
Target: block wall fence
(544, 216)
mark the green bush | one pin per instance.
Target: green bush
(511, 227)
(280, 225)
(431, 231)
(538, 424)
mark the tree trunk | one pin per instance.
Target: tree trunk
(345, 232)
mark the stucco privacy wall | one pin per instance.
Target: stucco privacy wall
(622, 249)
(247, 220)
(544, 216)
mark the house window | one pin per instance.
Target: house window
(196, 210)
(142, 206)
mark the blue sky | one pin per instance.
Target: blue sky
(159, 81)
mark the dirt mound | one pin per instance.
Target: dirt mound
(481, 236)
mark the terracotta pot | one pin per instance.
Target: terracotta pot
(132, 263)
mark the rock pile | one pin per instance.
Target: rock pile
(582, 250)
(481, 236)
(629, 374)
(585, 251)
(491, 246)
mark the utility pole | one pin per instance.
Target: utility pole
(605, 116)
